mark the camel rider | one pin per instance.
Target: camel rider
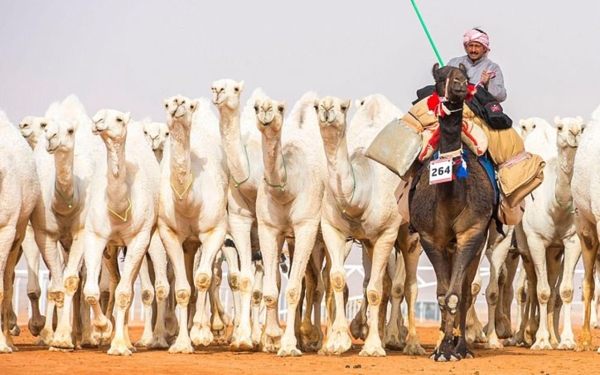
(486, 130)
(480, 69)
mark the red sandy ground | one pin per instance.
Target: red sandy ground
(217, 360)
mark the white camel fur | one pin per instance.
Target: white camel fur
(122, 212)
(193, 200)
(547, 229)
(19, 192)
(288, 205)
(585, 187)
(350, 209)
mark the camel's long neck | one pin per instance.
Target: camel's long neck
(451, 128)
(566, 157)
(64, 189)
(237, 158)
(180, 155)
(117, 190)
(341, 175)
(275, 172)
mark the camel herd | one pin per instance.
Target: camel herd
(175, 199)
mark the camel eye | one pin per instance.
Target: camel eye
(166, 134)
(145, 132)
(236, 89)
(256, 108)
(192, 107)
(70, 131)
(534, 126)
(119, 119)
(167, 105)
(43, 125)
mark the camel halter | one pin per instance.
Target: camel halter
(184, 190)
(124, 219)
(279, 186)
(69, 202)
(236, 183)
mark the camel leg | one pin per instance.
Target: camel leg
(588, 235)
(94, 248)
(411, 253)
(466, 302)
(554, 263)
(475, 330)
(310, 333)
(337, 338)
(271, 242)
(158, 257)
(497, 256)
(572, 255)
(7, 236)
(380, 251)
(182, 289)
(34, 291)
(241, 231)
(359, 327)
(147, 299)
(393, 339)
(257, 299)
(305, 235)
(62, 336)
(136, 250)
(218, 319)
(233, 278)
(503, 313)
(211, 244)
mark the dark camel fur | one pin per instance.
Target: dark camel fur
(452, 219)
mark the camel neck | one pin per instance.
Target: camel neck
(564, 174)
(275, 170)
(117, 190)
(64, 183)
(180, 155)
(451, 128)
(237, 156)
(342, 181)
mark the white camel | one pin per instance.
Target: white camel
(19, 192)
(547, 230)
(350, 209)
(122, 212)
(585, 187)
(65, 166)
(31, 129)
(242, 146)
(288, 205)
(193, 200)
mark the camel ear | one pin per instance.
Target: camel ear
(75, 123)
(316, 104)
(436, 67)
(126, 118)
(462, 67)
(358, 103)
(241, 86)
(579, 119)
(281, 107)
(345, 105)
(522, 122)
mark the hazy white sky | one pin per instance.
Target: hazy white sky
(130, 55)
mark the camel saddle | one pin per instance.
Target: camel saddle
(518, 172)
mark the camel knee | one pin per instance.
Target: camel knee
(182, 297)
(398, 291)
(374, 297)
(234, 282)
(58, 298)
(338, 281)
(492, 296)
(566, 294)
(475, 288)
(246, 284)
(452, 303)
(34, 296)
(71, 284)
(162, 292)
(270, 301)
(293, 295)
(544, 295)
(256, 298)
(203, 281)
(147, 297)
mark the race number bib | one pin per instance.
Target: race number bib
(440, 170)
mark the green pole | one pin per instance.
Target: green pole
(437, 54)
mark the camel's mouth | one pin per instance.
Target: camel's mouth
(266, 123)
(52, 149)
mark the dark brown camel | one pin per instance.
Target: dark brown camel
(452, 218)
